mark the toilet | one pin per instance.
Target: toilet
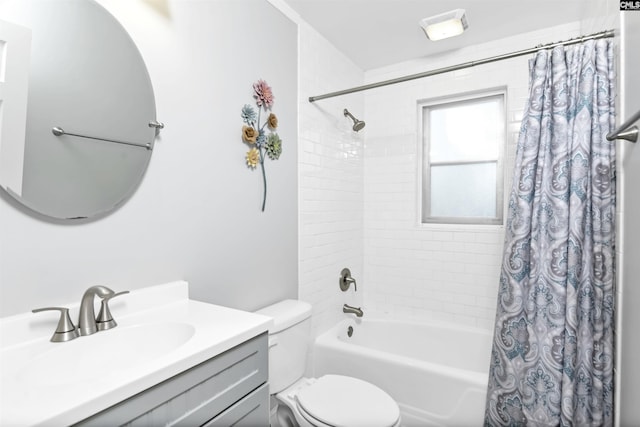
(328, 401)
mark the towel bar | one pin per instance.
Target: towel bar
(58, 131)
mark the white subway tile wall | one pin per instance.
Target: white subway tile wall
(442, 273)
(331, 176)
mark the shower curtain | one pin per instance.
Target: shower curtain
(553, 346)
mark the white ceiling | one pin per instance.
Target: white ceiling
(375, 33)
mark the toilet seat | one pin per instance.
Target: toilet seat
(340, 401)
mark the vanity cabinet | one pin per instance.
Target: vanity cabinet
(229, 389)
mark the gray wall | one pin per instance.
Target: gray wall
(196, 216)
(630, 294)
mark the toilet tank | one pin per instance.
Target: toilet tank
(288, 342)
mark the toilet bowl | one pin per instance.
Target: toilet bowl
(339, 401)
(328, 401)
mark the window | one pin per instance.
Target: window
(463, 142)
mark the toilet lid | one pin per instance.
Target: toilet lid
(348, 402)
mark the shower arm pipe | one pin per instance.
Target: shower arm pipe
(348, 114)
(594, 36)
(626, 131)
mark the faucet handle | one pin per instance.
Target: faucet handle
(105, 320)
(346, 280)
(66, 330)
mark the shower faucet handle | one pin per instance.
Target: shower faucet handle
(346, 280)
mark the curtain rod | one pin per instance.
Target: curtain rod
(625, 130)
(600, 35)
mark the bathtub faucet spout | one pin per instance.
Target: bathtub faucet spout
(352, 310)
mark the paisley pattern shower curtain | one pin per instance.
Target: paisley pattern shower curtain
(553, 346)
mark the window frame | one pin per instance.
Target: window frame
(425, 164)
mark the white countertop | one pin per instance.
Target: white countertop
(68, 395)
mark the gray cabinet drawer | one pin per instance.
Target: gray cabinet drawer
(252, 411)
(197, 395)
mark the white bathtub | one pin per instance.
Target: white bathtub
(436, 373)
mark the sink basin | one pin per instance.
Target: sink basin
(160, 333)
(117, 350)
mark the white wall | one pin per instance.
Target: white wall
(196, 215)
(629, 241)
(446, 273)
(331, 180)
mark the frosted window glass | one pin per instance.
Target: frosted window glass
(471, 130)
(464, 191)
(462, 160)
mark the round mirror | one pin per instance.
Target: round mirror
(89, 108)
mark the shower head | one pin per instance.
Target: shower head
(357, 124)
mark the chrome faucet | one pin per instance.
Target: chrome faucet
(87, 323)
(87, 320)
(352, 310)
(346, 280)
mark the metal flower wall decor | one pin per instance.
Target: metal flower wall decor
(261, 136)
